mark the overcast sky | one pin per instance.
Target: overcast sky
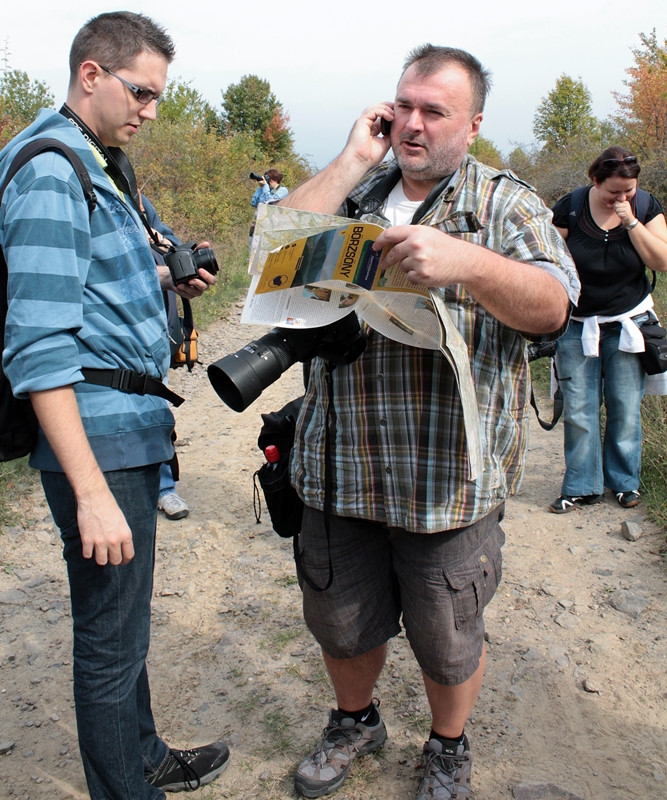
(327, 61)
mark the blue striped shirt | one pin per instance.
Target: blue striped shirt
(83, 292)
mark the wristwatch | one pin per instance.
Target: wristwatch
(632, 225)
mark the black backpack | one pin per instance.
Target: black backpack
(18, 424)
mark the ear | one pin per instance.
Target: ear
(89, 73)
(475, 122)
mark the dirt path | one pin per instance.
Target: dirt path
(575, 691)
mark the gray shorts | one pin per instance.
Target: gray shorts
(440, 583)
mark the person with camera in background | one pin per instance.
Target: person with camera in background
(85, 308)
(401, 530)
(269, 190)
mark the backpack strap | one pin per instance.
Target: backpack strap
(130, 382)
(30, 150)
(577, 198)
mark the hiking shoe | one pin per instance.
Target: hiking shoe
(628, 499)
(187, 770)
(343, 741)
(446, 772)
(174, 507)
(566, 503)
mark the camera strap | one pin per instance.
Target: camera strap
(118, 168)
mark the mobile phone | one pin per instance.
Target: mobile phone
(385, 126)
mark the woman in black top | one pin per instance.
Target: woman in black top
(597, 358)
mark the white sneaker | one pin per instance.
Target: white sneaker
(174, 507)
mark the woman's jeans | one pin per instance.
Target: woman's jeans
(111, 621)
(618, 378)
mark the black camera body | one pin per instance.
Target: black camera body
(255, 177)
(241, 377)
(541, 350)
(185, 260)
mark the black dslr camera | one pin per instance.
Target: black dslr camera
(541, 349)
(185, 260)
(241, 377)
(255, 177)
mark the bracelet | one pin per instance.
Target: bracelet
(632, 225)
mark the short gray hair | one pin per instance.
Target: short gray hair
(429, 59)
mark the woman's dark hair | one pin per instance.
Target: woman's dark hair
(429, 59)
(115, 39)
(274, 175)
(612, 162)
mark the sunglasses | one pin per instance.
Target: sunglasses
(614, 163)
(144, 96)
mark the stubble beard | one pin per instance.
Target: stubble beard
(434, 162)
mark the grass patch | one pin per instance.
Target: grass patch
(284, 637)
(17, 479)
(654, 458)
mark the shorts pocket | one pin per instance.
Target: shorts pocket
(473, 582)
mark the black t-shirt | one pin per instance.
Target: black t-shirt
(613, 277)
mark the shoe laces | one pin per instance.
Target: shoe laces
(190, 776)
(443, 768)
(335, 736)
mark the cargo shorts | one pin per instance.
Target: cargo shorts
(436, 584)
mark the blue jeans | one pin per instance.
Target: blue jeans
(617, 378)
(111, 624)
(167, 482)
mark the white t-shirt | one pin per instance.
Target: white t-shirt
(398, 209)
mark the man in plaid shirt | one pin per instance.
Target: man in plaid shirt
(406, 531)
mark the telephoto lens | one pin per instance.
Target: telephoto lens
(241, 377)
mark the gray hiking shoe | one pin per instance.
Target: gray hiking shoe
(343, 741)
(446, 772)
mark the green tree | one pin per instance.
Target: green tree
(564, 114)
(485, 151)
(181, 102)
(20, 100)
(250, 107)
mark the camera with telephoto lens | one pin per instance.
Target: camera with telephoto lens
(255, 177)
(241, 377)
(185, 260)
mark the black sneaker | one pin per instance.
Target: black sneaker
(628, 499)
(566, 503)
(446, 772)
(187, 770)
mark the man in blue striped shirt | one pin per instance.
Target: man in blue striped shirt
(83, 295)
(391, 515)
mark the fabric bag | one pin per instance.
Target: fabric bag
(654, 357)
(284, 504)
